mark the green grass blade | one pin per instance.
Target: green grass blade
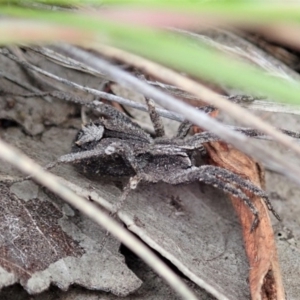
(171, 50)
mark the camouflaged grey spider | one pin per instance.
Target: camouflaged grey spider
(116, 146)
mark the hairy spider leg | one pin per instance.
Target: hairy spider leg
(131, 185)
(186, 125)
(155, 118)
(76, 157)
(183, 129)
(243, 183)
(29, 177)
(195, 141)
(119, 148)
(110, 112)
(202, 174)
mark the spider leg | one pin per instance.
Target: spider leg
(155, 119)
(202, 174)
(110, 112)
(12, 181)
(243, 183)
(112, 148)
(131, 185)
(65, 159)
(206, 136)
(122, 149)
(183, 129)
(257, 134)
(195, 141)
(185, 126)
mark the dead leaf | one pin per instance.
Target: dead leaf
(28, 228)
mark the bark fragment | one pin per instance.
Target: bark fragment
(264, 273)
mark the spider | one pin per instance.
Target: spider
(116, 146)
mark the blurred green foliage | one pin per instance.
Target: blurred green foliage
(165, 47)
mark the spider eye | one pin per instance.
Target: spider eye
(90, 133)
